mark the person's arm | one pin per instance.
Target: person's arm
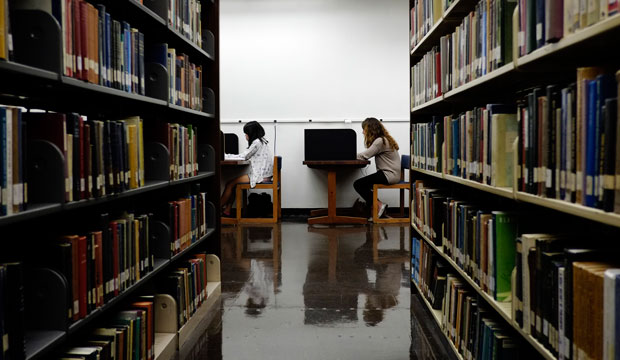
(248, 153)
(373, 150)
(232, 157)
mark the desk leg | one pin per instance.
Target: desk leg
(331, 195)
(331, 217)
(318, 212)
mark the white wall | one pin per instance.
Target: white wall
(326, 60)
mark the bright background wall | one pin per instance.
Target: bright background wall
(333, 61)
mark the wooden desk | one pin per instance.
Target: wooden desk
(333, 166)
(234, 162)
(230, 164)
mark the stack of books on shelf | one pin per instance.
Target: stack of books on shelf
(185, 16)
(184, 78)
(475, 145)
(101, 264)
(182, 144)
(12, 311)
(479, 241)
(481, 44)
(129, 334)
(96, 48)
(469, 326)
(569, 142)
(424, 15)
(13, 177)
(187, 220)
(185, 81)
(543, 22)
(566, 295)
(429, 272)
(561, 292)
(100, 157)
(188, 286)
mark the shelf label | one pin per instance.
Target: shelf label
(608, 182)
(579, 181)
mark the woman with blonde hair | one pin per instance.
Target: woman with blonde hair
(384, 148)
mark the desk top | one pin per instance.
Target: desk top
(324, 164)
(234, 162)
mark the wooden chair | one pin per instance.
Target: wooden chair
(405, 163)
(274, 186)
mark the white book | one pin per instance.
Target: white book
(611, 286)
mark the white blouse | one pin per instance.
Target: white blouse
(261, 161)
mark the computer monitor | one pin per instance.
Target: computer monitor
(330, 144)
(231, 143)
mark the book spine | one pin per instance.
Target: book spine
(609, 146)
(591, 136)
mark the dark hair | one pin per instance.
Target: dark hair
(254, 131)
(375, 129)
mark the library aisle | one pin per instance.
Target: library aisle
(295, 291)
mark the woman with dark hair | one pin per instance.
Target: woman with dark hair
(261, 163)
(384, 148)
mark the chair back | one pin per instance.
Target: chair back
(405, 162)
(277, 162)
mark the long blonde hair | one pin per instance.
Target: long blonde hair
(374, 129)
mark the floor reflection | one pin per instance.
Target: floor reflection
(291, 291)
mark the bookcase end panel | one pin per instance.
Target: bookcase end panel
(37, 39)
(157, 161)
(156, 81)
(160, 240)
(46, 177)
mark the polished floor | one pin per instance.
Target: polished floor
(293, 291)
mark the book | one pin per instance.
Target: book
(610, 115)
(505, 231)
(611, 319)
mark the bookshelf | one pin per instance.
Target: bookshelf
(553, 63)
(604, 30)
(501, 308)
(597, 215)
(445, 23)
(501, 191)
(436, 315)
(496, 75)
(35, 79)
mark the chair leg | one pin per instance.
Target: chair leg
(375, 205)
(402, 203)
(275, 205)
(279, 204)
(239, 201)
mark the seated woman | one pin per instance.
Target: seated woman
(261, 163)
(384, 148)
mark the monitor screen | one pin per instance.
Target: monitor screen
(330, 144)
